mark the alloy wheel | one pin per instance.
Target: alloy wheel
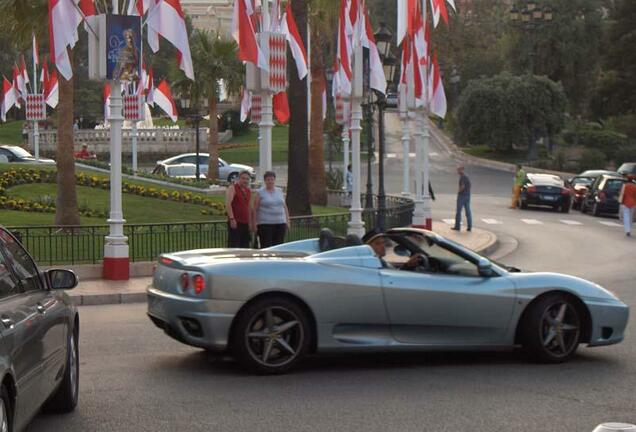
(560, 329)
(274, 336)
(73, 367)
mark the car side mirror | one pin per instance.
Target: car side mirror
(485, 267)
(62, 279)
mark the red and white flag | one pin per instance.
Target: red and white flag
(245, 36)
(296, 45)
(344, 51)
(150, 88)
(377, 79)
(439, 9)
(246, 104)
(139, 7)
(437, 103)
(9, 98)
(163, 98)
(64, 17)
(106, 102)
(23, 71)
(280, 106)
(52, 90)
(167, 19)
(18, 82)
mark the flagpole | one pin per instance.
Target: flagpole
(406, 139)
(308, 83)
(267, 120)
(356, 224)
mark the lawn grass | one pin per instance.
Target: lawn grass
(246, 151)
(11, 133)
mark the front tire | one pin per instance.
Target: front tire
(65, 398)
(551, 330)
(232, 177)
(271, 335)
(6, 412)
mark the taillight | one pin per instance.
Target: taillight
(166, 261)
(565, 191)
(531, 189)
(198, 282)
(185, 281)
(601, 196)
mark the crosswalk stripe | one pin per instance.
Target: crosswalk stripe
(571, 222)
(492, 221)
(532, 221)
(449, 221)
(609, 223)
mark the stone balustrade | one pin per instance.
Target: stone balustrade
(149, 141)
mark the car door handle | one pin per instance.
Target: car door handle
(8, 322)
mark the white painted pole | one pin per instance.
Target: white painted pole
(345, 145)
(426, 197)
(115, 8)
(116, 264)
(308, 84)
(267, 120)
(356, 224)
(36, 123)
(419, 219)
(406, 138)
(134, 147)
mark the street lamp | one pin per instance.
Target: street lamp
(196, 119)
(383, 38)
(368, 112)
(531, 17)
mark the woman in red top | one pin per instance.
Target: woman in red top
(628, 205)
(237, 204)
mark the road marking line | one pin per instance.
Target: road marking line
(492, 221)
(571, 222)
(608, 223)
(411, 155)
(449, 221)
(532, 221)
(391, 155)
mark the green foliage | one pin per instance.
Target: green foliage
(606, 141)
(625, 154)
(238, 127)
(592, 159)
(506, 110)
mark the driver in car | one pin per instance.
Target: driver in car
(376, 239)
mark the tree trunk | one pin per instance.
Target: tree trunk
(213, 140)
(317, 180)
(66, 211)
(297, 162)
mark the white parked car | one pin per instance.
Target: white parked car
(228, 172)
(15, 154)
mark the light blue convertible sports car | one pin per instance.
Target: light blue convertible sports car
(270, 308)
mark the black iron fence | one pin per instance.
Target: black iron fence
(85, 244)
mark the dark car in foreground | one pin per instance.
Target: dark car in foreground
(580, 184)
(545, 190)
(270, 308)
(628, 169)
(39, 332)
(602, 196)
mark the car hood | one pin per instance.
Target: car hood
(533, 284)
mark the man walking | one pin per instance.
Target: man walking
(463, 201)
(516, 187)
(627, 200)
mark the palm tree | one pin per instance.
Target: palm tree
(323, 23)
(214, 59)
(26, 18)
(298, 155)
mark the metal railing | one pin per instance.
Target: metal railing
(85, 244)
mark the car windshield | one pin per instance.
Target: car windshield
(583, 181)
(20, 152)
(627, 168)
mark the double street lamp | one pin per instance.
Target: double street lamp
(530, 16)
(383, 37)
(196, 119)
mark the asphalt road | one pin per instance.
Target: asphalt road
(134, 378)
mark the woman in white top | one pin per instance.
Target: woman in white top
(270, 213)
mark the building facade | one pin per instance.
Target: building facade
(210, 15)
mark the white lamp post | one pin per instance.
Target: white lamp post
(356, 224)
(116, 253)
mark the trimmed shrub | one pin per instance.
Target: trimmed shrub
(592, 159)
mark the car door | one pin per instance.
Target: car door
(48, 310)
(21, 346)
(453, 306)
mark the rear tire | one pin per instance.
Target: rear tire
(271, 335)
(65, 398)
(6, 411)
(551, 329)
(565, 208)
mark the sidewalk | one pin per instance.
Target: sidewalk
(103, 292)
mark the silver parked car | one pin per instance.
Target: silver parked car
(39, 333)
(227, 171)
(15, 154)
(272, 307)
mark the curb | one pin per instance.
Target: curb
(454, 150)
